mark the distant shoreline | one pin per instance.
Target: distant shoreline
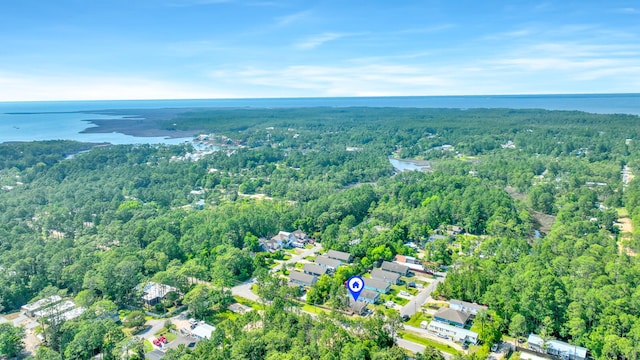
(138, 123)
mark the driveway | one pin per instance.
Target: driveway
(153, 327)
(244, 290)
(416, 303)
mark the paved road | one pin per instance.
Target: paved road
(244, 290)
(412, 306)
(296, 258)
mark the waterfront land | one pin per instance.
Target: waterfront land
(520, 208)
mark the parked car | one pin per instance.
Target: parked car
(411, 284)
(404, 293)
(405, 317)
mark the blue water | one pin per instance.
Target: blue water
(49, 120)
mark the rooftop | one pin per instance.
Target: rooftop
(203, 331)
(301, 277)
(385, 275)
(451, 315)
(339, 255)
(323, 260)
(559, 346)
(375, 283)
(394, 267)
(314, 269)
(468, 304)
(42, 303)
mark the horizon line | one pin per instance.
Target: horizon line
(324, 97)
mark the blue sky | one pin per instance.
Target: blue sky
(146, 49)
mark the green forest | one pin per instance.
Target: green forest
(539, 194)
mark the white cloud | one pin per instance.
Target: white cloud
(317, 40)
(19, 87)
(292, 18)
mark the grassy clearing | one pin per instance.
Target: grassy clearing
(417, 318)
(246, 302)
(221, 316)
(314, 309)
(413, 337)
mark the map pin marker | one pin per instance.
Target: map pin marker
(355, 284)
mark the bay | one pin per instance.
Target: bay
(52, 120)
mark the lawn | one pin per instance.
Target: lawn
(309, 258)
(622, 212)
(417, 318)
(299, 266)
(246, 302)
(424, 341)
(221, 316)
(396, 299)
(170, 336)
(148, 347)
(313, 309)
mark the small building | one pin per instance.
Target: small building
(390, 277)
(556, 347)
(339, 255)
(437, 237)
(451, 317)
(404, 259)
(55, 311)
(154, 292)
(30, 309)
(203, 331)
(369, 296)
(270, 245)
(395, 268)
(314, 269)
(358, 307)
(73, 313)
(376, 285)
(454, 333)
(329, 263)
(467, 307)
(298, 277)
(283, 239)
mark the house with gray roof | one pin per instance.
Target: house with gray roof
(395, 267)
(369, 296)
(471, 308)
(314, 269)
(327, 262)
(358, 307)
(376, 285)
(302, 278)
(339, 255)
(451, 317)
(390, 277)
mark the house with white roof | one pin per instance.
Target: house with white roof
(556, 347)
(203, 331)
